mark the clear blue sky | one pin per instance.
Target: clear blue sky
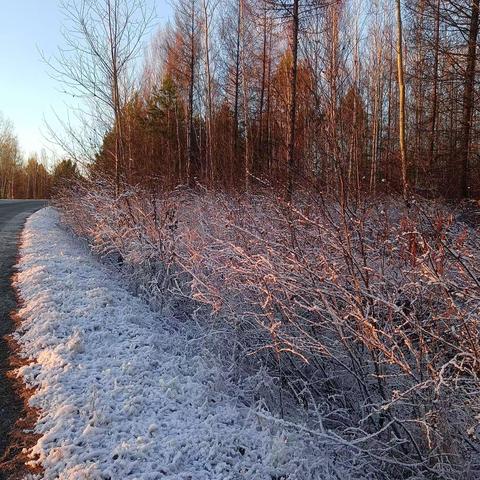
(27, 93)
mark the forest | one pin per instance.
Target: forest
(30, 177)
(300, 178)
(347, 96)
(19, 179)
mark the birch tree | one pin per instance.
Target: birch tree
(102, 40)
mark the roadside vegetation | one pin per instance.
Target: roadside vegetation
(364, 321)
(299, 179)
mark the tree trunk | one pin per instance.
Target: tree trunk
(433, 125)
(209, 122)
(116, 100)
(293, 100)
(401, 98)
(237, 81)
(192, 169)
(260, 153)
(468, 98)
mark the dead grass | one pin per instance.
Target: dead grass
(21, 439)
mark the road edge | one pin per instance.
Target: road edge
(22, 437)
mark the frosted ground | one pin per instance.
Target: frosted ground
(123, 393)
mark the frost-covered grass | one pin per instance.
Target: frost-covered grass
(124, 393)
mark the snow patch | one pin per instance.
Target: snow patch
(121, 393)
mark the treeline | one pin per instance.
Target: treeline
(31, 177)
(242, 93)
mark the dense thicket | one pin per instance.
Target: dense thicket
(357, 326)
(241, 93)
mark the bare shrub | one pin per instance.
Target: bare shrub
(366, 316)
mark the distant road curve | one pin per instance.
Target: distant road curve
(13, 214)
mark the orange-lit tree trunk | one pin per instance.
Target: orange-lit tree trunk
(469, 98)
(293, 99)
(401, 100)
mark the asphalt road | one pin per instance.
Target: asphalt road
(13, 214)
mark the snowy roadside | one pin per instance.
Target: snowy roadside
(121, 395)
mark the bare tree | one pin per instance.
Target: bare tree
(401, 103)
(185, 52)
(293, 96)
(469, 96)
(208, 12)
(102, 40)
(9, 158)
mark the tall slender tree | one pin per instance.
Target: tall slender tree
(401, 100)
